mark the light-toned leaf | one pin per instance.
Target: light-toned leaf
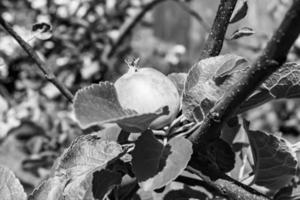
(42, 31)
(50, 189)
(242, 32)
(284, 83)
(207, 82)
(275, 161)
(10, 186)
(87, 153)
(241, 13)
(98, 104)
(73, 172)
(155, 164)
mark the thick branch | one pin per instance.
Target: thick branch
(41, 65)
(214, 42)
(272, 58)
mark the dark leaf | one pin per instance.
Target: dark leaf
(104, 181)
(42, 31)
(275, 161)
(241, 13)
(242, 32)
(221, 153)
(288, 193)
(163, 163)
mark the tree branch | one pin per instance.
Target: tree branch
(229, 188)
(272, 58)
(214, 42)
(41, 65)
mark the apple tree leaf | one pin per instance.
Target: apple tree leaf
(10, 186)
(104, 181)
(42, 31)
(275, 161)
(163, 163)
(242, 32)
(288, 193)
(241, 13)
(73, 171)
(99, 104)
(207, 82)
(50, 189)
(284, 83)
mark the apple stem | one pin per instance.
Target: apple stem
(132, 64)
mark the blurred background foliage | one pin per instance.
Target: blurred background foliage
(37, 122)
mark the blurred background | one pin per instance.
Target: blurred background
(89, 43)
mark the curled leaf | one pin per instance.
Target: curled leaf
(241, 13)
(42, 31)
(242, 32)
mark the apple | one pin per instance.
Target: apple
(146, 90)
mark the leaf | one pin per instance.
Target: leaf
(73, 172)
(222, 155)
(87, 153)
(155, 164)
(242, 32)
(275, 162)
(284, 83)
(50, 189)
(10, 186)
(178, 79)
(98, 104)
(42, 31)
(288, 193)
(207, 81)
(104, 181)
(241, 13)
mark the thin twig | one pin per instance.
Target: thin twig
(41, 65)
(214, 42)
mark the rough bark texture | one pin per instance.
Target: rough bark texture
(214, 42)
